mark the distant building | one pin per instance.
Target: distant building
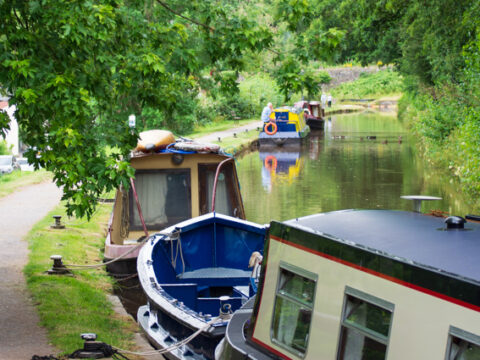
(12, 134)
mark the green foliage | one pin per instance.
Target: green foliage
(447, 119)
(76, 70)
(4, 150)
(235, 107)
(258, 90)
(467, 142)
(384, 82)
(424, 38)
(293, 79)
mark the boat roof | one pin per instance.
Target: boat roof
(405, 236)
(169, 152)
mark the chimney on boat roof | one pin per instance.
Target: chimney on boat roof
(455, 222)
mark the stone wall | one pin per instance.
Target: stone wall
(345, 74)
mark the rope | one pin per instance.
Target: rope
(125, 277)
(94, 266)
(140, 214)
(125, 215)
(178, 250)
(176, 345)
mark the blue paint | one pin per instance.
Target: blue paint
(283, 115)
(216, 250)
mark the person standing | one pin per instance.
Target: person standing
(267, 110)
(329, 100)
(323, 100)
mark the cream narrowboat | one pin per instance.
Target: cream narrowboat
(363, 284)
(172, 183)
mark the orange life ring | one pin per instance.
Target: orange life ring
(271, 163)
(274, 128)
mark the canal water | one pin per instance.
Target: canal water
(363, 160)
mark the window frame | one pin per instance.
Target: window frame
(462, 335)
(305, 274)
(369, 299)
(133, 204)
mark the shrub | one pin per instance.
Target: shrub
(4, 148)
(383, 82)
(258, 90)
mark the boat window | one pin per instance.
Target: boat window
(462, 345)
(164, 197)
(366, 322)
(227, 199)
(293, 309)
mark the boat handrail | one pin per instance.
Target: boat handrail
(216, 180)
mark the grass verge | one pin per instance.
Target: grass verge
(71, 305)
(17, 179)
(233, 145)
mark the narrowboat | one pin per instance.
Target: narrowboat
(314, 114)
(363, 284)
(172, 183)
(286, 127)
(195, 274)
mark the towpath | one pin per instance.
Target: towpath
(20, 335)
(227, 133)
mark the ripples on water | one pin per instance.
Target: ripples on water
(365, 160)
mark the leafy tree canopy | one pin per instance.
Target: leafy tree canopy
(77, 69)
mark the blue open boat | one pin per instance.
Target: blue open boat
(191, 273)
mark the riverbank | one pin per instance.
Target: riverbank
(448, 132)
(71, 305)
(10, 183)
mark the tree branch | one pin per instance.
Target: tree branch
(184, 17)
(19, 20)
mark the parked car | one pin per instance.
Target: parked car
(8, 163)
(25, 165)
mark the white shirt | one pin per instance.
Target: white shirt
(266, 114)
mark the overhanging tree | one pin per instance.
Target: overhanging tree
(77, 69)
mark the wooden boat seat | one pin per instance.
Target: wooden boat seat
(216, 276)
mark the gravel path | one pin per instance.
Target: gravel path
(226, 133)
(20, 335)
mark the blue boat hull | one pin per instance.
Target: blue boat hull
(194, 275)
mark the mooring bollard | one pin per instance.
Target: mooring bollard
(58, 224)
(58, 267)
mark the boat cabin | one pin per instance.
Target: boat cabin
(314, 114)
(173, 187)
(364, 284)
(287, 126)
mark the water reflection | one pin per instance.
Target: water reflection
(280, 166)
(361, 161)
